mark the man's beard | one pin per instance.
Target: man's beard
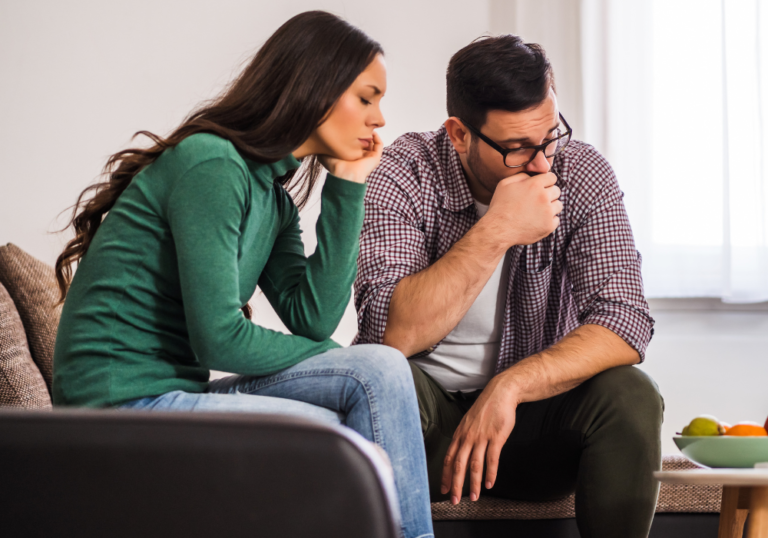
(480, 171)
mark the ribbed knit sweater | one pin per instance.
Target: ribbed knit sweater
(155, 302)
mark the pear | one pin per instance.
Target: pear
(703, 425)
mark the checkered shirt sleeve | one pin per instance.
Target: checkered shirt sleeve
(588, 272)
(392, 245)
(601, 258)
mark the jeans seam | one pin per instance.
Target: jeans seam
(375, 422)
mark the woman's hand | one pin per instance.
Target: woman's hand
(357, 170)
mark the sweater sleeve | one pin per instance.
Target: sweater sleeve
(205, 212)
(311, 294)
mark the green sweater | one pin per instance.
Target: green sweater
(155, 303)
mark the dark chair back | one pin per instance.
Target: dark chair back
(93, 474)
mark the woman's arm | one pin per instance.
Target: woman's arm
(205, 212)
(311, 294)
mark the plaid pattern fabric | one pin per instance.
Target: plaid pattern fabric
(418, 205)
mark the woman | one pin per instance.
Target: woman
(173, 245)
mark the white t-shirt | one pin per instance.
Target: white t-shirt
(466, 359)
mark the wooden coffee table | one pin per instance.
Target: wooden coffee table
(745, 491)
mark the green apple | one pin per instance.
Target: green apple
(703, 425)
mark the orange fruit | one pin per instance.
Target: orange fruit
(747, 429)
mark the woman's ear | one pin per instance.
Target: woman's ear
(460, 136)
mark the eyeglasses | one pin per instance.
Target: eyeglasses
(518, 157)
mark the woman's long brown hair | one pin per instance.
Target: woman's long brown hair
(267, 112)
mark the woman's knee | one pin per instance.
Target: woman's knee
(383, 365)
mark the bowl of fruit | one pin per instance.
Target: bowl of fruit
(712, 443)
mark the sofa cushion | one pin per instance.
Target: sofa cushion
(672, 498)
(32, 286)
(21, 384)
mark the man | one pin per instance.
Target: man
(497, 255)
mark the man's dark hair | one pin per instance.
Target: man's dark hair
(497, 73)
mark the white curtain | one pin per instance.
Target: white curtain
(676, 97)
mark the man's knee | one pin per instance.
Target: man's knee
(630, 395)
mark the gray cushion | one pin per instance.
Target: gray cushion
(32, 286)
(21, 384)
(672, 498)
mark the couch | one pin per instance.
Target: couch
(33, 437)
(96, 473)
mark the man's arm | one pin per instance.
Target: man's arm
(582, 354)
(604, 269)
(427, 305)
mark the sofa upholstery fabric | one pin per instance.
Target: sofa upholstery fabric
(21, 384)
(32, 285)
(678, 498)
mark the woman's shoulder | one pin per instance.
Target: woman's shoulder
(201, 147)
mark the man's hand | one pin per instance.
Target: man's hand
(356, 171)
(479, 439)
(525, 208)
(583, 353)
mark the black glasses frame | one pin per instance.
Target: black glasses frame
(504, 152)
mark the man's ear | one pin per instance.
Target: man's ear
(460, 135)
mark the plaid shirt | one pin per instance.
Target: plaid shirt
(418, 205)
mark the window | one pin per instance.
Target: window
(676, 97)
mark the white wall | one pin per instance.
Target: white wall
(554, 24)
(710, 358)
(80, 77)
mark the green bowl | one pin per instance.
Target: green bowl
(724, 451)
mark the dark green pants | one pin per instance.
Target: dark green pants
(601, 440)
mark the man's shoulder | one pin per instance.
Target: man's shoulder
(581, 162)
(588, 180)
(412, 154)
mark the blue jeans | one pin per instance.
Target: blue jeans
(368, 388)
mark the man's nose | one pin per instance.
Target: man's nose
(539, 164)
